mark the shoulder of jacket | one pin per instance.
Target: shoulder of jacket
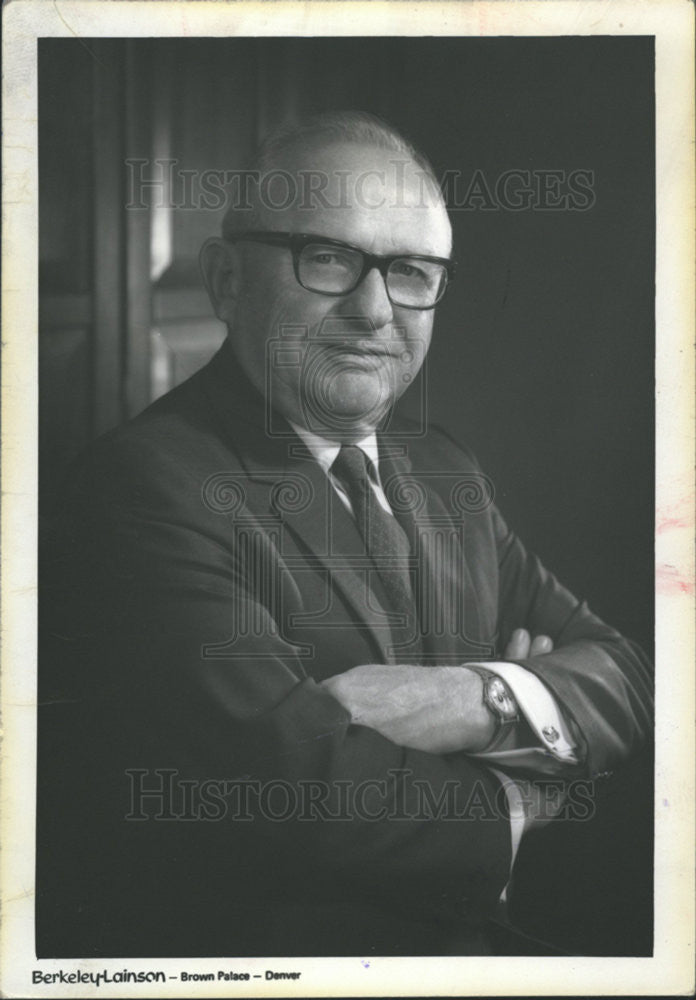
(175, 440)
(438, 447)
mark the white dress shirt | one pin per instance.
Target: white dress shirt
(326, 452)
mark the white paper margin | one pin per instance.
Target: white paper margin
(670, 970)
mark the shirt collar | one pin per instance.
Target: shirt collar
(325, 452)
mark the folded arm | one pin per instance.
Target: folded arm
(435, 709)
(585, 691)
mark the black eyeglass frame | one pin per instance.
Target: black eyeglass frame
(298, 241)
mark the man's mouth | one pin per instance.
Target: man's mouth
(362, 349)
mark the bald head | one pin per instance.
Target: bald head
(333, 162)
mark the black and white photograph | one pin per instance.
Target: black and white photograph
(346, 546)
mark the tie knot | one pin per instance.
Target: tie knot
(351, 466)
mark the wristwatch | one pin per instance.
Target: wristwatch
(499, 699)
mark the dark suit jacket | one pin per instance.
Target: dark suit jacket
(200, 580)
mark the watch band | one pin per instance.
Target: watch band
(498, 698)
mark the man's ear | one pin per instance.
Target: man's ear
(221, 269)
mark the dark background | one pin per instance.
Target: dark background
(542, 360)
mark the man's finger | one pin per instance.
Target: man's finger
(519, 645)
(541, 644)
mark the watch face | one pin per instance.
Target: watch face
(500, 699)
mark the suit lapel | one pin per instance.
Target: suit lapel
(329, 539)
(447, 601)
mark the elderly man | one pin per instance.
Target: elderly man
(319, 684)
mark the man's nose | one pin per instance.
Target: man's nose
(370, 300)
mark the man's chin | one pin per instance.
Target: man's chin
(344, 427)
(349, 407)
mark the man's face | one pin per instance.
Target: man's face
(336, 365)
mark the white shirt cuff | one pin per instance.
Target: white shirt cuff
(539, 707)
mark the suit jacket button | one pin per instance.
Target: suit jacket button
(550, 734)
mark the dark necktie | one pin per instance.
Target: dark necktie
(385, 540)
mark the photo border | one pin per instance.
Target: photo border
(670, 970)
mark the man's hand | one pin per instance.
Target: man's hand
(521, 645)
(435, 709)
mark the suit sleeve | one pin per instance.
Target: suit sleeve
(147, 599)
(601, 680)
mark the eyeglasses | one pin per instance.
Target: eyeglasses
(332, 267)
